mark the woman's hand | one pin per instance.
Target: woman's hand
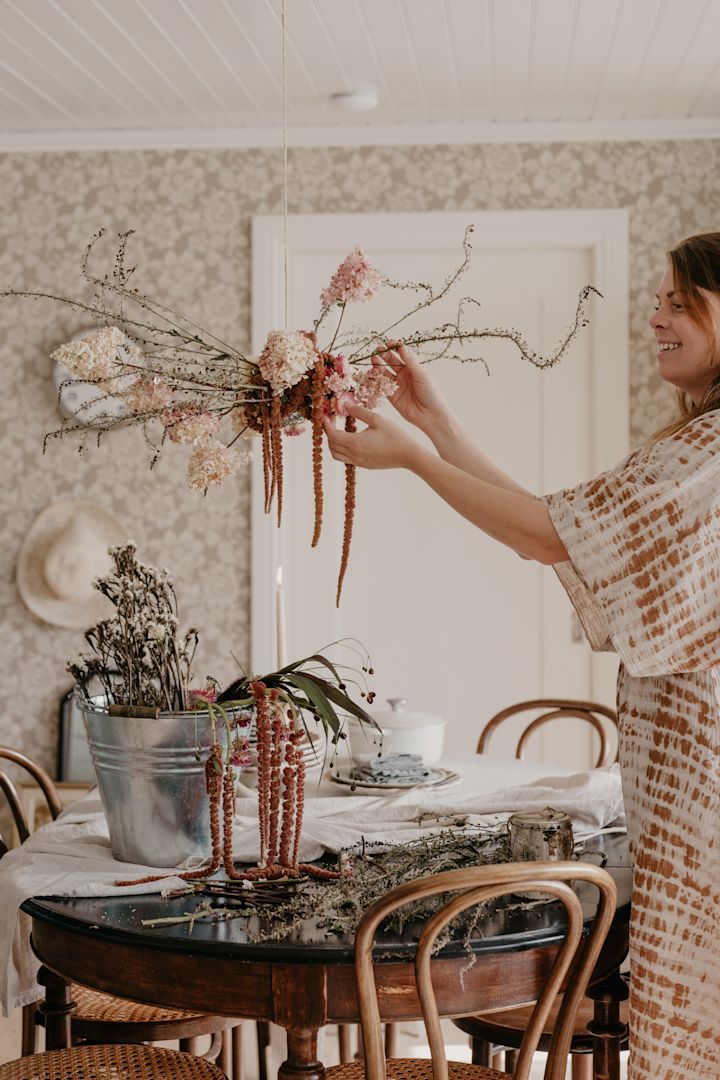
(417, 398)
(381, 445)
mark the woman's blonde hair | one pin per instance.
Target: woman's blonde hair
(695, 265)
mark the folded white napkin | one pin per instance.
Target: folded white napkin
(72, 856)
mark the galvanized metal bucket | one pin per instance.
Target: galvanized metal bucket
(151, 776)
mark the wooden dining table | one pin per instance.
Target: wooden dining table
(306, 980)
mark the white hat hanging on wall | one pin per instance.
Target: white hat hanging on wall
(64, 551)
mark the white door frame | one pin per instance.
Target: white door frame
(604, 234)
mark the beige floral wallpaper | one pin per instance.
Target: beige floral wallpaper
(192, 213)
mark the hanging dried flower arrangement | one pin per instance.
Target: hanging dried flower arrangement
(177, 382)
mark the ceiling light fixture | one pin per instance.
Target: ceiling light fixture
(357, 100)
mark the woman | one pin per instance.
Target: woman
(638, 551)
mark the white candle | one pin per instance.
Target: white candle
(280, 638)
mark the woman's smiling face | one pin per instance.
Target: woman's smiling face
(685, 356)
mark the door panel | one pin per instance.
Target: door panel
(455, 623)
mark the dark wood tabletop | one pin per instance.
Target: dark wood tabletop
(306, 980)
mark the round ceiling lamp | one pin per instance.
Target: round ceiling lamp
(357, 100)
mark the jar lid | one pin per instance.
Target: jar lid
(397, 716)
(539, 819)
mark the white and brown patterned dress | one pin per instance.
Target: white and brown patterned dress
(644, 577)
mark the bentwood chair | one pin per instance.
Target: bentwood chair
(556, 709)
(505, 1029)
(104, 1018)
(570, 971)
(106, 1062)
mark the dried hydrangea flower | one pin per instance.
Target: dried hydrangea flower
(286, 357)
(188, 423)
(372, 386)
(355, 279)
(212, 463)
(96, 356)
(148, 394)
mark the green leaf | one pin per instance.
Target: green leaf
(315, 691)
(339, 697)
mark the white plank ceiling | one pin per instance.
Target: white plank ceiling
(76, 73)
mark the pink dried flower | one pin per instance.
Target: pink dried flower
(373, 386)
(294, 429)
(286, 357)
(240, 753)
(355, 279)
(149, 394)
(212, 463)
(188, 423)
(200, 698)
(338, 405)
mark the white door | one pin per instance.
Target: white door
(455, 623)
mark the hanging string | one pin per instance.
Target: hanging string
(285, 166)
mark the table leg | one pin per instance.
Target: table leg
(300, 1006)
(607, 1030)
(56, 1009)
(302, 1060)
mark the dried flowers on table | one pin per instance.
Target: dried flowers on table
(336, 905)
(145, 668)
(157, 370)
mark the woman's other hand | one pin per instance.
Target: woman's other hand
(417, 398)
(381, 445)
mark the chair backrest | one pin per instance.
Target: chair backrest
(43, 781)
(572, 966)
(556, 709)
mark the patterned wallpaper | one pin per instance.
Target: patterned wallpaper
(192, 212)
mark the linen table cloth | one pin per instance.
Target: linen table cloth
(72, 856)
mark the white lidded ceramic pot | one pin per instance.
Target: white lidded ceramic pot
(402, 731)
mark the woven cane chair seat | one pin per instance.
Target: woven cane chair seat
(111, 1063)
(105, 1008)
(413, 1069)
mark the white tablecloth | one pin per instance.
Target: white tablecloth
(72, 856)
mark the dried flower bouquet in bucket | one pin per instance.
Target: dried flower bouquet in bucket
(150, 723)
(157, 370)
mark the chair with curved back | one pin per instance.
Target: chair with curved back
(555, 709)
(100, 1017)
(505, 1030)
(571, 968)
(102, 1062)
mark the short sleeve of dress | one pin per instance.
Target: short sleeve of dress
(644, 547)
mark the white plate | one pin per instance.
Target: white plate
(437, 777)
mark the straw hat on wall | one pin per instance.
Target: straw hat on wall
(63, 552)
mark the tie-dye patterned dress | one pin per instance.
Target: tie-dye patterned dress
(644, 577)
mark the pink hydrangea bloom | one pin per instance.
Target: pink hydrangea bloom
(286, 357)
(355, 279)
(188, 423)
(148, 394)
(212, 463)
(373, 386)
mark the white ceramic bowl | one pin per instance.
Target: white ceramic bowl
(401, 732)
